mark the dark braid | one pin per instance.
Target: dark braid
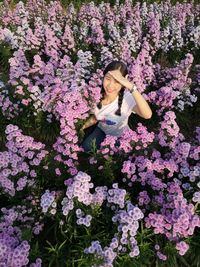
(120, 100)
(99, 105)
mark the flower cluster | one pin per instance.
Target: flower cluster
(123, 240)
(81, 219)
(14, 251)
(176, 219)
(22, 155)
(182, 247)
(80, 189)
(48, 201)
(8, 108)
(169, 130)
(116, 196)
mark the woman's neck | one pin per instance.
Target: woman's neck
(110, 98)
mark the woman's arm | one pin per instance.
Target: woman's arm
(89, 122)
(142, 107)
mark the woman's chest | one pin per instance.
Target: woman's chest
(107, 115)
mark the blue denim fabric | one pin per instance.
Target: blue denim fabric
(98, 135)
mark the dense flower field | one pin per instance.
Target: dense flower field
(133, 204)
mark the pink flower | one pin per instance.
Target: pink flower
(25, 101)
(57, 170)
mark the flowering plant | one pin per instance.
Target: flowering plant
(135, 200)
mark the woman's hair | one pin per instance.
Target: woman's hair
(114, 65)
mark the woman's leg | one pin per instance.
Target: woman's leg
(97, 135)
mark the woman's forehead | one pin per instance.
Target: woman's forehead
(108, 75)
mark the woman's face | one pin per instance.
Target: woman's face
(111, 86)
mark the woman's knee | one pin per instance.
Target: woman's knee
(86, 144)
(94, 139)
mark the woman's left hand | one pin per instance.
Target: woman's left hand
(116, 74)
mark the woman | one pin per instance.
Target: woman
(115, 106)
